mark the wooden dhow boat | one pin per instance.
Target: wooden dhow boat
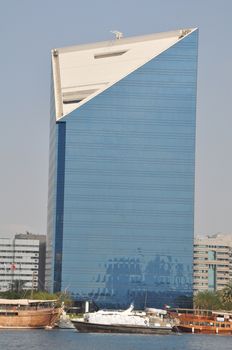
(25, 313)
(203, 321)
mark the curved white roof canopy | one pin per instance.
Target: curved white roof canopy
(82, 72)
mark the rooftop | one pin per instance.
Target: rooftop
(82, 72)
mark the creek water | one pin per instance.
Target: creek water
(58, 339)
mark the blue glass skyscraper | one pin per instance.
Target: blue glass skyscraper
(122, 165)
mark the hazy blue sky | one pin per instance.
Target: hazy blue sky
(29, 29)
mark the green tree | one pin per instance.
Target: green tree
(226, 296)
(17, 286)
(64, 298)
(207, 300)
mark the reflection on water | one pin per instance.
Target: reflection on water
(71, 340)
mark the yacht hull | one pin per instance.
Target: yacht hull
(86, 327)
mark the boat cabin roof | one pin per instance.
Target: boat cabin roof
(202, 312)
(24, 301)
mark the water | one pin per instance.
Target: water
(71, 340)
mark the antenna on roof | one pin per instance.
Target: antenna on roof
(118, 35)
(184, 32)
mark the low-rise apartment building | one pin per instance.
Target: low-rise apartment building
(212, 267)
(22, 261)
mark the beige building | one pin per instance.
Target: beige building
(212, 266)
(22, 260)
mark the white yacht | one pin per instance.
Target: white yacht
(150, 321)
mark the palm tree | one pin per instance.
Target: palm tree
(17, 286)
(207, 300)
(226, 294)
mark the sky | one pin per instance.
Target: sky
(29, 29)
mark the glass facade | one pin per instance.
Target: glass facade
(52, 185)
(123, 206)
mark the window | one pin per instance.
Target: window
(109, 54)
